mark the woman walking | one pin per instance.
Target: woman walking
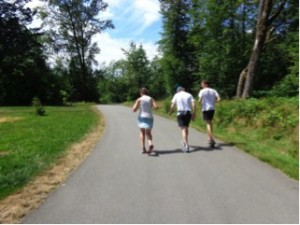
(145, 118)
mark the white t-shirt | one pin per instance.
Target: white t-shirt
(183, 101)
(145, 106)
(209, 97)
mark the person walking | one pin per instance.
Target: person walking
(145, 118)
(185, 112)
(208, 98)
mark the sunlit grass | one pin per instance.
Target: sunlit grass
(29, 143)
(267, 128)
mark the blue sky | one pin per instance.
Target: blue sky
(134, 20)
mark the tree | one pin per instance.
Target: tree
(263, 31)
(23, 70)
(137, 70)
(177, 60)
(218, 37)
(74, 23)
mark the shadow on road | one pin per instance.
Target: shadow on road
(193, 148)
(163, 152)
(179, 151)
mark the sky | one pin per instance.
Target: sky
(134, 20)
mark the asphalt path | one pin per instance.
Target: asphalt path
(118, 184)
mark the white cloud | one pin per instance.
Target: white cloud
(137, 15)
(34, 3)
(111, 48)
(146, 13)
(149, 9)
(114, 3)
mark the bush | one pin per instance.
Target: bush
(39, 109)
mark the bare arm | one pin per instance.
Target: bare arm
(154, 105)
(193, 110)
(136, 105)
(171, 108)
(200, 100)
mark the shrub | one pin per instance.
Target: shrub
(39, 108)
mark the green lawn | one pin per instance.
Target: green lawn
(29, 144)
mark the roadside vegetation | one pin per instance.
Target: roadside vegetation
(265, 128)
(30, 143)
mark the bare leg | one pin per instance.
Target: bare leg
(149, 138)
(142, 138)
(185, 134)
(209, 127)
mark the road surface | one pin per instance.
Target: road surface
(118, 184)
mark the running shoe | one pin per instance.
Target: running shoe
(185, 148)
(212, 143)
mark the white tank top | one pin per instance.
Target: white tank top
(145, 106)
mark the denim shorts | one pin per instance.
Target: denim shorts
(145, 122)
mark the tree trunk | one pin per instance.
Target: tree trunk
(241, 83)
(245, 83)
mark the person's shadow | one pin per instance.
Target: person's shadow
(193, 149)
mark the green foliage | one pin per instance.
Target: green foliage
(212, 40)
(178, 60)
(39, 108)
(167, 104)
(199, 40)
(270, 123)
(65, 97)
(122, 80)
(23, 70)
(30, 144)
(77, 21)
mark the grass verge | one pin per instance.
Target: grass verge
(30, 144)
(265, 128)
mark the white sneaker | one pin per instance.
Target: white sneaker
(185, 148)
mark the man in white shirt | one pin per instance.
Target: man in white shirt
(208, 98)
(185, 112)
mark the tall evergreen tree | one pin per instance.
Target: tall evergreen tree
(177, 60)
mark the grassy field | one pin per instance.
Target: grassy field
(29, 144)
(266, 128)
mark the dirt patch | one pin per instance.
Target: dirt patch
(9, 119)
(4, 153)
(14, 207)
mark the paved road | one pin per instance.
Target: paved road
(117, 184)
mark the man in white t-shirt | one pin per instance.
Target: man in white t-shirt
(208, 98)
(185, 112)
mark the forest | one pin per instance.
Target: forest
(245, 48)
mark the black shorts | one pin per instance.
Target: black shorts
(208, 115)
(184, 118)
